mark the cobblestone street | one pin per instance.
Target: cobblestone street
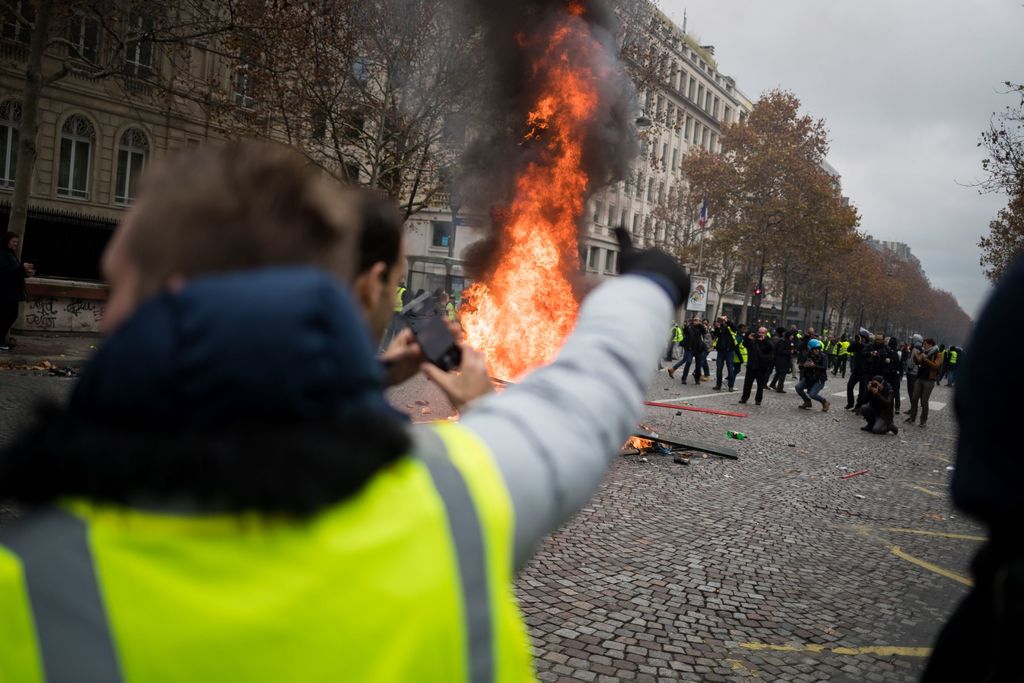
(768, 568)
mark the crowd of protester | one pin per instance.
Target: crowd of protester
(878, 366)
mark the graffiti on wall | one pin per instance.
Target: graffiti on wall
(62, 314)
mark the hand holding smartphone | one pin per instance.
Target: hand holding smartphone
(432, 332)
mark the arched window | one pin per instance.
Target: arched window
(132, 152)
(10, 121)
(76, 141)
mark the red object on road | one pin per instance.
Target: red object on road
(854, 474)
(676, 406)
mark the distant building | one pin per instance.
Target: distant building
(686, 110)
(899, 250)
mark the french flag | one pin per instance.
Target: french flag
(702, 220)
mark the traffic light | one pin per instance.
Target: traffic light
(755, 300)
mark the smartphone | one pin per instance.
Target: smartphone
(428, 325)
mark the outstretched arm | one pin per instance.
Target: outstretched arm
(554, 434)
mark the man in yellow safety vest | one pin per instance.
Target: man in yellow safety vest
(194, 520)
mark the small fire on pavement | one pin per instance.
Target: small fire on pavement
(637, 443)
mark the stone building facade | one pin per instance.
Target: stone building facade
(686, 108)
(95, 137)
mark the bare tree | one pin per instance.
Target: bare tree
(115, 41)
(378, 94)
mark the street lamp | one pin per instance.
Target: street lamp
(454, 204)
(770, 221)
(642, 122)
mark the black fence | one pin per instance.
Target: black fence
(63, 243)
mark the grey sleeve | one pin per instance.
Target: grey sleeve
(554, 434)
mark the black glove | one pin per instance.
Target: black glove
(655, 265)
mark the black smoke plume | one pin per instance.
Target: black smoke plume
(492, 161)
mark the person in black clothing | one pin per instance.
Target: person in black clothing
(725, 345)
(857, 377)
(12, 285)
(877, 410)
(981, 640)
(695, 351)
(893, 372)
(877, 361)
(759, 357)
(783, 347)
(801, 346)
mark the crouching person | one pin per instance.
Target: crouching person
(878, 411)
(228, 496)
(814, 373)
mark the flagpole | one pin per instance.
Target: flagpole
(702, 223)
(700, 259)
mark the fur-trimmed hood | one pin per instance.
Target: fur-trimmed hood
(255, 390)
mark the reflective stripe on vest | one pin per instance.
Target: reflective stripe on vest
(75, 582)
(74, 644)
(469, 548)
(953, 358)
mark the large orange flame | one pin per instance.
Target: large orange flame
(519, 316)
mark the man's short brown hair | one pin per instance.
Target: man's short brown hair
(236, 206)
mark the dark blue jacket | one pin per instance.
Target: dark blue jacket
(277, 344)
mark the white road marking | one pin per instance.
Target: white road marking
(690, 398)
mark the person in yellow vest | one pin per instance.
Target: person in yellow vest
(952, 360)
(740, 352)
(401, 297)
(193, 520)
(842, 357)
(675, 339)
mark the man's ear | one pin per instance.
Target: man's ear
(175, 283)
(369, 285)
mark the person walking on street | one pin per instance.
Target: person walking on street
(907, 361)
(782, 354)
(857, 351)
(12, 286)
(842, 356)
(725, 344)
(694, 351)
(675, 339)
(893, 373)
(708, 341)
(813, 375)
(952, 360)
(759, 357)
(943, 355)
(877, 410)
(928, 361)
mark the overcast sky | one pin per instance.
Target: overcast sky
(905, 86)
